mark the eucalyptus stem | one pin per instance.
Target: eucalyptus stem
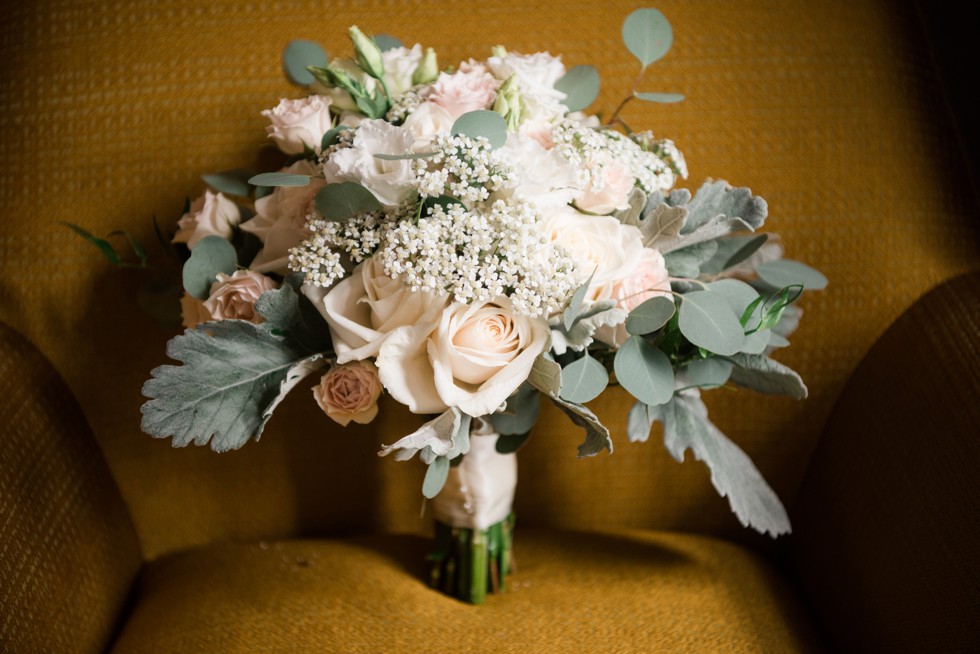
(468, 563)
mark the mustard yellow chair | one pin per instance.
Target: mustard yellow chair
(307, 542)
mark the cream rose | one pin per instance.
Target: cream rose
(349, 393)
(425, 122)
(233, 296)
(212, 214)
(280, 220)
(362, 309)
(392, 182)
(296, 125)
(459, 93)
(649, 280)
(609, 189)
(544, 177)
(473, 359)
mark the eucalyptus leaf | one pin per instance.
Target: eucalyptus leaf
(650, 316)
(596, 434)
(482, 122)
(234, 373)
(786, 272)
(706, 320)
(583, 380)
(279, 179)
(663, 98)
(580, 86)
(210, 256)
(408, 155)
(575, 305)
(709, 373)
(104, 246)
(387, 42)
(332, 136)
(230, 182)
(644, 371)
(737, 293)
(686, 426)
(345, 200)
(298, 56)
(435, 477)
(733, 250)
(762, 374)
(647, 35)
(510, 443)
(520, 414)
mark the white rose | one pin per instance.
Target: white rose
(544, 177)
(609, 189)
(597, 243)
(212, 214)
(475, 358)
(280, 220)
(362, 309)
(400, 65)
(233, 296)
(425, 122)
(299, 124)
(391, 181)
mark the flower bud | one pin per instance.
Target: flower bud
(508, 103)
(428, 69)
(368, 53)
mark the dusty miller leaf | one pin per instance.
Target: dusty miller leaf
(686, 262)
(520, 414)
(435, 477)
(640, 421)
(596, 435)
(686, 426)
(545, 375)
(762, 374)
(433, 439)
(662, 224)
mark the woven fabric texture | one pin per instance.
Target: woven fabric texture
(111, 111)
(886, 544)
(573, 592)
(68, 551)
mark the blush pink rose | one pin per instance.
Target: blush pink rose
(460, 92)
(349, 393)
(212, 214)
(233, 296)
(609, 189)
(296, 125)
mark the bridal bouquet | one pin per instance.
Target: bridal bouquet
(467, 241)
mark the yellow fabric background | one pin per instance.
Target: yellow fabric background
(110, 112)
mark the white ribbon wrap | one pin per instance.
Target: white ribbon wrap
(480, 490)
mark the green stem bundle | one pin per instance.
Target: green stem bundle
(470, 563)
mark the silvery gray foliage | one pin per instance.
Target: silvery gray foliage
(446, 435)
(597, 436)
(686, 426)
(762, 374)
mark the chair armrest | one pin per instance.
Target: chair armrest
(887, 536)
(68, 550)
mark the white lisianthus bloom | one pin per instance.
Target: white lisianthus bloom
(296, 125)
(427, 120)
(391, 181)
(474, 358)
(400, 65)
(280, 220)
(212, 214)
(362, 309)
(544, 177)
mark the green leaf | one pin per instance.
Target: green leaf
(230, 182)
(510, 443)
(545, 375)
(435, 477)
(575, 305)
(596, 435)
(583, 380)
(650, 316)
(686, 262)
(520, 414)
(345, 200)
(762, 374)
(298, 56)
(279, 179)
(644, 371)
(580, 86)
(733, 250)
(210, 256)
(737, 293)
(709, 373)
(786, 272)
(103, 245)
(640, 421)
(134, 243)
(706, 320)
(332, 136)
(234, 374)
(409, 155)
(444, 201)
(686, 426)
(647, 35)
(663, 98)
(482, 122)
(387, 42)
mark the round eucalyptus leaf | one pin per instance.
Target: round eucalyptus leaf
(580, 86)
(708, 373)
(435, 477)
(387, 42)
(297, 56)
(210, 256)
(647, 34)
(650, 316)
(510, 443)
(583, 380)
(644, 371)
(341, 201)
(786, 272)
(706, 319)
(482, 122)
(229, 182)
(737, 293)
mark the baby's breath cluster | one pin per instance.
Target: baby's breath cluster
(477, 254)
(465, 168)
(317, 260)
(403, 105)
(653, 172)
